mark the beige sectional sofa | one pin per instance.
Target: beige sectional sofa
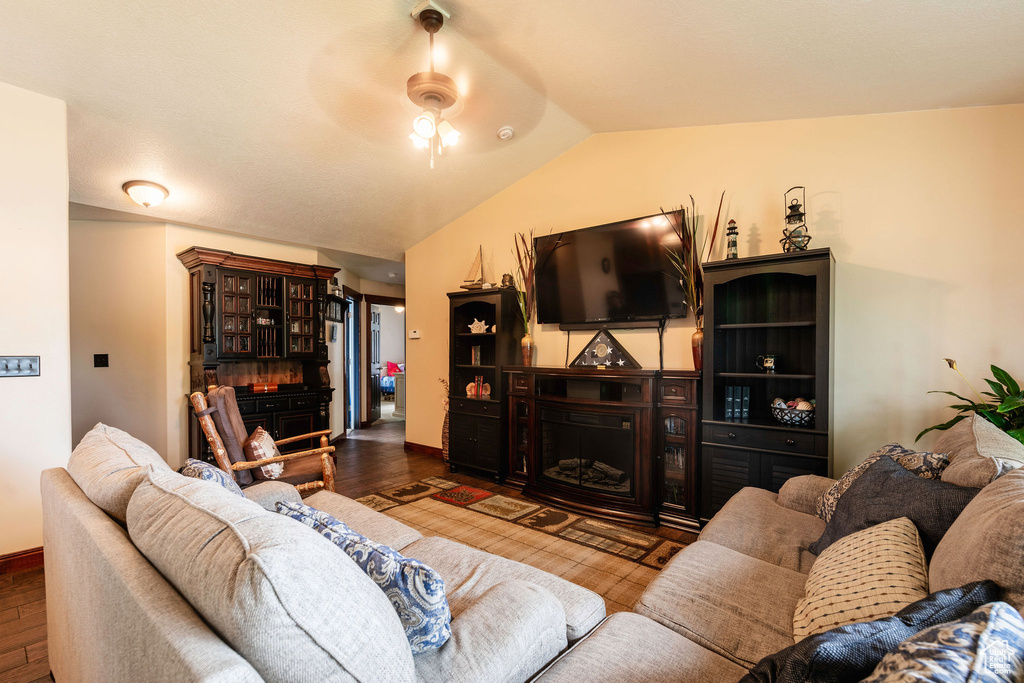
(130, 598)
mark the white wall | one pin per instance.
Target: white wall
(923, 211)
(392, 336)
(35, 412)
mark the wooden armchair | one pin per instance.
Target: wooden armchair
(222, 424)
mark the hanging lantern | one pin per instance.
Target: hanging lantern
(794, 235)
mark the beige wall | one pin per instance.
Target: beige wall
(35, 412)
(117, 308)
(922, 211)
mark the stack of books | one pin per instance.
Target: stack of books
(737, 403)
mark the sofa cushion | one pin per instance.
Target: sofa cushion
(295, 606)
(803, 493)
(986, 645)
(508, 634)
(107, 464)
(630, 647)
(732, 604)
(849, 653)
(867, 575)
(753, 523)
(267, 494)
(986, 541)
(887, 491)
(229, 425)
(197, 469)
(923, 464)
(979, 452)
(366, 521)
(415, 590)
(260, 446)
(468, 573)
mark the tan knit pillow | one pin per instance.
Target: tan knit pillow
(868, 575)
(261, 445)
(979, 452)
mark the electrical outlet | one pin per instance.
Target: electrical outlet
(414, 334)
(19, 366)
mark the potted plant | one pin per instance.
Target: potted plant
(688, 260)
(1004, 406)
(526, 259)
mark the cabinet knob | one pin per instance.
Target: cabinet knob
(732, 435)
(790, 442)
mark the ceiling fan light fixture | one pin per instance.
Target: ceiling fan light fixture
(421, 143)
(145, 193)
(449, 136)
(425, 125)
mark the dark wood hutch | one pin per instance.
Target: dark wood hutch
(256, 321)
(619, 444)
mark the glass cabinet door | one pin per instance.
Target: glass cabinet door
(676, 485)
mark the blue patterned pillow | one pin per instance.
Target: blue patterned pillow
(986, 646)
(197, 469)
(415, 590)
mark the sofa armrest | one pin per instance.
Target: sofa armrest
(266, 494)
(508, 634)
(802, 493)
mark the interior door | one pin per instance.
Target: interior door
(373, 409)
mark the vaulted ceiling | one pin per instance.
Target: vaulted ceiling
(289, 120)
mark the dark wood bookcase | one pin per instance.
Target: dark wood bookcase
(254, 320)
(779, 304)
(477, 427)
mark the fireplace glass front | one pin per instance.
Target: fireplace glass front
(590, 450)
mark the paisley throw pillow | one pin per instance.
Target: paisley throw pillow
(922, 463)
(198, 469)
(986, 646)
(415, 590)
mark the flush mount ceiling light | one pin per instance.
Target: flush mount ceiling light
(145, 193)
(433, 92)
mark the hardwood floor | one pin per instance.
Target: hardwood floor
(368, 461)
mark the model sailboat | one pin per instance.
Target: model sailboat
(475, 277)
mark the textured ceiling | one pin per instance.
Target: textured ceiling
(289, 120)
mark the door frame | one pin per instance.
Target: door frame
(379, 300)
(357, 298)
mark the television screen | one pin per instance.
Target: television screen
(619, 272)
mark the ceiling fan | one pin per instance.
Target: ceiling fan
(432, 91)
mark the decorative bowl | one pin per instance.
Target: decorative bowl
(791, 417)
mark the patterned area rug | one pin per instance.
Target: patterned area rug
(609, 559)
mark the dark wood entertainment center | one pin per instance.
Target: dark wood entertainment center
(619, 444)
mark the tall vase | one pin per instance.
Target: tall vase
(527, 346)
(697, 343)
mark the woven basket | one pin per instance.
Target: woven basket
(791, 417)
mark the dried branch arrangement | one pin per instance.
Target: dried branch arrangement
(526, 261)
(694, 250)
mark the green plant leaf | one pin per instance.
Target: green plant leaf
(955, 395)
(1011, 403)
(1003, 376)
(942, 427)
(995, 418)
(1017, 434)
(998, 388)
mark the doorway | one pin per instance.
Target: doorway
(385, 360)
(352, 410)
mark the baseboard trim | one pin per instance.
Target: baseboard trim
(421, 448)
(25, 559)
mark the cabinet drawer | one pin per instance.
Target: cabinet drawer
(465, 405)
(520, 384)
(678, 391)
(303, 402)
(767, 439)
(247, 407)
(271, 405)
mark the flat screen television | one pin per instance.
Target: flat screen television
(614, 273)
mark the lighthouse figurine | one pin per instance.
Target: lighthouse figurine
(732, 233)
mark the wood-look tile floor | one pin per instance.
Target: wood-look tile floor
(370, 460)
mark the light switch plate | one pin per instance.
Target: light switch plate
(19, 366)
(414, 334)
